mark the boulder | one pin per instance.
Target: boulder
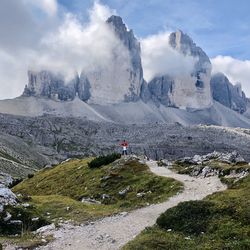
(124, 191)
(5, 179)
(46, 229)
(90, 201)
(7, 197)
(233, 157)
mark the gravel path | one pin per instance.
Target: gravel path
(113, 232)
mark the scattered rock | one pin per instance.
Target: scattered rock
(233, 157)
(35, 219)
(196, 171)
(124, 191)
(90, 201)
(16, 222)
(7, 197)
(105, 178)
(207, 171)
(164, 163)
(123, 214)
(140, 195)
(26, 205)
(45, 229)
(7, 217)
(5, 179)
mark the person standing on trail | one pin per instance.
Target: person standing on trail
(124, 145)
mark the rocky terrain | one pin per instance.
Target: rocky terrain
(17, 158)
(29, 143)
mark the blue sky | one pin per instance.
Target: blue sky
(220, 27)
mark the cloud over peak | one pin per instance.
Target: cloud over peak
(236, 70)
(159, 58)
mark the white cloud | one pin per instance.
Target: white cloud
(68, 47)
(100, 13)
(236, 70)
(48, 6)
(159, 58)
(76, 47)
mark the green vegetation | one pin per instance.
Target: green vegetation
(27, 241)
(57, 192)
(221, 221)
(188, 217)
(104, 160)
(27, 219)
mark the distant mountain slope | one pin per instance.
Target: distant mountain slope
(62, 137)
(18, 158)
(227, 94)
(125, 113)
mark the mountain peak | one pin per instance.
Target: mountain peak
(117, 22)
(182, 42)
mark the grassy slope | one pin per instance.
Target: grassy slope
(57, 191)
(227, 227)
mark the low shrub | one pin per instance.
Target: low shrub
(15, 182)
(188, 217)
(22, 220)
(30, 175)
(104, 160)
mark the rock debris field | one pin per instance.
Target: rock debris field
(111, 233)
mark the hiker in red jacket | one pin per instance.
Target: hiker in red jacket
(124, 145)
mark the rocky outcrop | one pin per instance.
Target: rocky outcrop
(226, 93)
(50, 85)
(7, 197)
(185, 91)
(216, 163)
(230, 158)
(121, 79)
(83, 88)
(161, 88)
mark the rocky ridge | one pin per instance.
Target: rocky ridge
(189, 91)
(124, 77)
(126, 80)
(230, 165)
(228, 94)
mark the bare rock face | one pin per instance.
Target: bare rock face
(50, 85)
(185, 91)
(121, 80)
(7, 197)
(161, 88)
(226, 93)
(83, 88)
